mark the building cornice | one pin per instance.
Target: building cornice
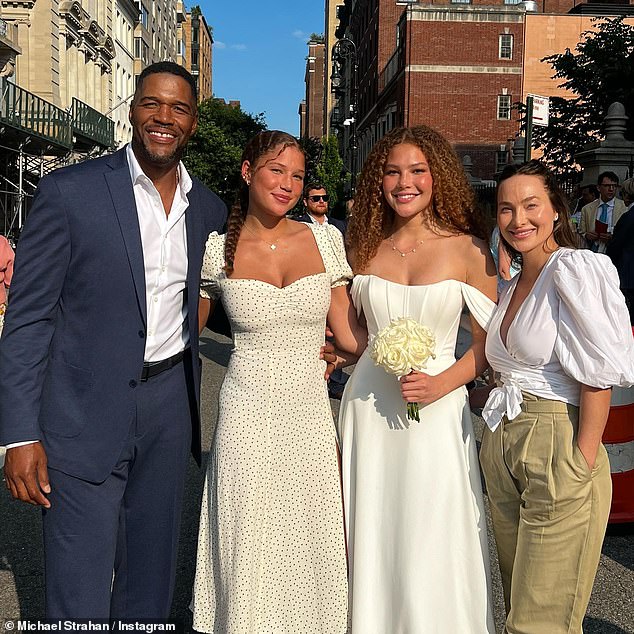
(468, 13)
(442, 68)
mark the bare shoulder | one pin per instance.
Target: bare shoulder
(464, 244)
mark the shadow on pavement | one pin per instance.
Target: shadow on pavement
(599, 626)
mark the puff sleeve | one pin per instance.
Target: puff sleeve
(213, 265)
(594, 343)
(333, 253)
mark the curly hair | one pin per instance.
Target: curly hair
(261, 144)
(563, 231)
(453, 205)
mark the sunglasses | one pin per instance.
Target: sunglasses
(316, 199)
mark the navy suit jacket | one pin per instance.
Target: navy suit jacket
(335, 222)
(621, 248)
(74, 338)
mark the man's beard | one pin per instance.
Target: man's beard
(160, 159)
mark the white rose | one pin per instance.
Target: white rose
(403, 345)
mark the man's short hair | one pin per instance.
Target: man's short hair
(172, 69)
(311, 186)
(610, 175)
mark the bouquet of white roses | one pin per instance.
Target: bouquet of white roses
(402, 346)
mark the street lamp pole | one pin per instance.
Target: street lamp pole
(346, 50)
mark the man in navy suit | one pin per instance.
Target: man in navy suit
(100, 382)
(316, 202)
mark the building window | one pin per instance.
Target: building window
(143, 14)
(506, 46)
(141, 50)
(501, 160)
(460, 1)
(504, 107)
(513, 1)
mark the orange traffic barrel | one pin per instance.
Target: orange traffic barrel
(618, 439)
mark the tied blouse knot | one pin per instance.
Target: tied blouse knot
(573, 328)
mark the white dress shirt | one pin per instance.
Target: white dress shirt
(573, 328)
(164, 240)
(317, 222)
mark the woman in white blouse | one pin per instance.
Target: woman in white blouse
(560, 339)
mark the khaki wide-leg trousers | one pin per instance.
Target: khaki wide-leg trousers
(549, 513)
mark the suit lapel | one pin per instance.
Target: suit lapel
(195, 242)
(120, 186)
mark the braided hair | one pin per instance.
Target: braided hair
(258, 146)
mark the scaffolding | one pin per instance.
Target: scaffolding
(20, 173)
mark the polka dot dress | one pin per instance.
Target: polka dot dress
(271, 554)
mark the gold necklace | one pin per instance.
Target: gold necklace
(271, 245)
(404, 253)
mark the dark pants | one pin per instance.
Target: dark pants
(127, 525)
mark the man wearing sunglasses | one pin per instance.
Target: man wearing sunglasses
(316, 202)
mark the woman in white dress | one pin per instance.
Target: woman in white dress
(416, 530)
(560, 338)
(271, 549)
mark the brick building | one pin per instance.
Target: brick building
(312, 117)
(195, 50)
(455, 65)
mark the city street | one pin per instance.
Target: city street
(21, 571)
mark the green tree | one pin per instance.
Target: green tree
(330, 168)
(213, 154)
(598, 73)
(313, 150)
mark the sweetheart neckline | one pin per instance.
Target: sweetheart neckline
(279, 288)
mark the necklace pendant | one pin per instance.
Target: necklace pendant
(402, 255)
(273, 247)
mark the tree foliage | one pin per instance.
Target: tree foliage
(598, 73)
(330, 168)
(213, 153)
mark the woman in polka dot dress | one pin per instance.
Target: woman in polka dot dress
(271, 553)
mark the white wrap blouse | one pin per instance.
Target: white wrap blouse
(573, 328)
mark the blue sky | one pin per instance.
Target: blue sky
(259, 54)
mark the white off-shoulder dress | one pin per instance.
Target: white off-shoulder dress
(271, 552)
(417, 539)
(572, 329)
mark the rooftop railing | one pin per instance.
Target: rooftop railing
(29, 113)
(91, 124)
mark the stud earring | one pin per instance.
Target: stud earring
(556, 217)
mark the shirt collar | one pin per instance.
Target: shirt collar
(139, 176)
(315, 221)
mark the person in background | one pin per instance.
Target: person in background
(599, 217)
(621, 248)
(560, 339)
(587, 195)
(6, 273)
(316, 199)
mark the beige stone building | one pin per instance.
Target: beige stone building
(125, 19)
(156, 32)
(67, 50)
